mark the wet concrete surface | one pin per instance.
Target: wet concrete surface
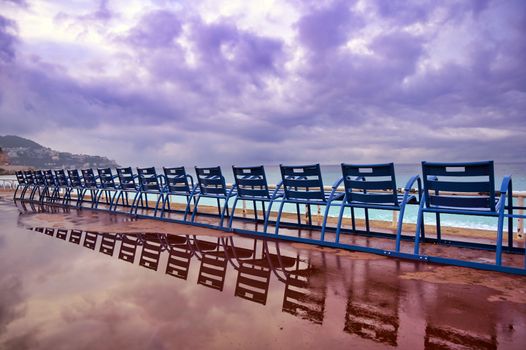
(94, 280)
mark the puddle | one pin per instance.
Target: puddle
(93, 280)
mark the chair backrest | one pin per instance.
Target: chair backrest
(474, 181)
(211, 180)
(370, 183)
(302, 182)
(251, 181)
(49, 178)
(40, 180)
(126, 178)
(74, 178)
(89, 178)
(176, 180)
(148, 180)
(20, 178)
(30, 177)
(106, 178)
(62, 179)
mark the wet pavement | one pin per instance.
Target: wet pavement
(94, 280)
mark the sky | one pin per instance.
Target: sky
(164, 82)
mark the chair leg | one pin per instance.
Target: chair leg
(278, 219)
(135, 203)
(298, 213)
(439, 227)
(255, 210)
(399, 226)
(325, 217)
(96, 204)
(188, 204)
(500, 229)
(267, 215)
(367, 227)
(192, 219)
(419, 224)
(340, 219)
(225, 210)
(159, 198)
(233, 211)
(164, 204)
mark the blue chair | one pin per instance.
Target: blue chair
(29, 176)
(303, 184)
(251, 185)
(373, 186)
(39, 185)
(127, 184)
(476, 181)
(75, 183)
(178, 183)
(107, 187)
(61, 184)
(50, 185)
(89, 184)
(21, 184)
(211, 183)
(149, 183)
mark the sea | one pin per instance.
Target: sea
(404, 172)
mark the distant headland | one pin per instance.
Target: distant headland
(17, 153)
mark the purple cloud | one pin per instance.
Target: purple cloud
(208, 88)
(156, 29)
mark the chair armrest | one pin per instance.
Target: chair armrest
(409, 185)
(160, 178)
(191, 179)
(275, 193)
(337, 183)
(506, 184)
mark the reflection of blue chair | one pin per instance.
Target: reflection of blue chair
(251, 185)
(212, 185)
(373, 186)
(149, 183)
(303, 184)
(476, 182)
(177, 183)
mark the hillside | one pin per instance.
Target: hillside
(23, 152)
